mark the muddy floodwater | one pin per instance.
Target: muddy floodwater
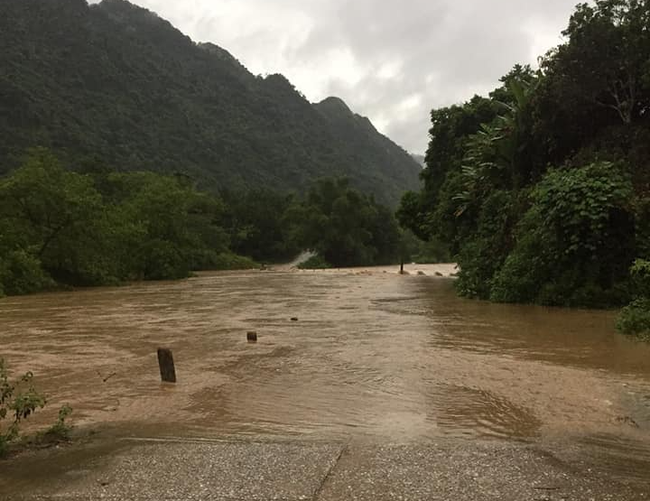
(372, 356)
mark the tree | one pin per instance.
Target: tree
(344, 226)
(44, 211)
(575, 243)
(256, 223)
(170, 228)
(545, 199)
(62, 227)
(605, 60)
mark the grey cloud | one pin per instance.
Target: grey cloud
(444, 50)
(465, 49)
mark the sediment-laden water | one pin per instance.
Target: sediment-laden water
(373, 356)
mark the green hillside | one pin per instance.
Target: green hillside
(117, 84)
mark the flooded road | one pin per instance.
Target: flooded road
(373, 356)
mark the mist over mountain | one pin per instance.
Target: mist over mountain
(420, 159)
(118, 84)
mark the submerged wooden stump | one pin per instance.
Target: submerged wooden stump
(166, 363)
(251, 337)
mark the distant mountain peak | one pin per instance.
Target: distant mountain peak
(217, 51)
(221, 54)
(334, 108)
(334, 104)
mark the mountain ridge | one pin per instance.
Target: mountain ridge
(116, 82)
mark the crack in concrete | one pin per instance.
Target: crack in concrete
(319, 490)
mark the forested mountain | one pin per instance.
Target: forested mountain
(116, 84)
(542, 188)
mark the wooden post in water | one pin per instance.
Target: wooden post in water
(166, 363)
(401, 267)
(251, 337)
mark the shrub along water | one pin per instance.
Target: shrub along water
(18, 401)
(635, 318)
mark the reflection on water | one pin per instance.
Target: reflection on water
(372, 354)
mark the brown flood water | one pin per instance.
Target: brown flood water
(373, 356)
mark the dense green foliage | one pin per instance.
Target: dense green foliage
(70, 228)
(573, 244)
(635, 318)
(95, 227)
(115, 83)
(257, 224)
(346, 227)
(542, 189)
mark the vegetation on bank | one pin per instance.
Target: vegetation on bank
(18, 401)
(542, 189)
(635, 318)
(61, 228)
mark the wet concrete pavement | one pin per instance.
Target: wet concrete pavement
(291, 471)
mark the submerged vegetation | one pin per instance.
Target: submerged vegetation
(542, 189)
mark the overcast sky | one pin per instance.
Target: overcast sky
(390, 60)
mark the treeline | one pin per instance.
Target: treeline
(344, 226)
(93, 226)
(542, 189)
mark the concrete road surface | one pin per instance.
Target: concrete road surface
(194, 469)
